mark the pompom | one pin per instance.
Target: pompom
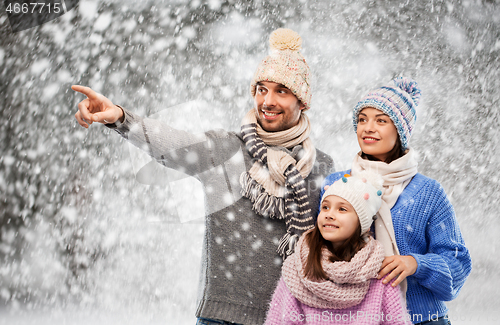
(285, 39)
(344, 179)
(366, 196)
(410, 86)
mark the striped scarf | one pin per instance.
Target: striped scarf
(275, 183)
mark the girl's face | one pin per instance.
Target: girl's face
(337, 220)
(376, 133)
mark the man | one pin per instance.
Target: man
(261, 184)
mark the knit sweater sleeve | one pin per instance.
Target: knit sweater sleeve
(447, 263)
(173, 148)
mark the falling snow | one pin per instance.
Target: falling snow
(83, 241)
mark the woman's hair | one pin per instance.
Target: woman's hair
(395, 153)
(345, 252)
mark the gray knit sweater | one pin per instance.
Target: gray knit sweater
(240, 264)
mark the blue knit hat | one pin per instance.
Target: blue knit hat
(398, 100)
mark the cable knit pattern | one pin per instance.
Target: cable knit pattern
(347, 282)
(426, 228)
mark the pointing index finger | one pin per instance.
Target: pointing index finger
(84, 90)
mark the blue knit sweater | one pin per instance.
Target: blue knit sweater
(426, 228)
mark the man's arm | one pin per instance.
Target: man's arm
(177, 149)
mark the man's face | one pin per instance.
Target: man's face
(276, 106)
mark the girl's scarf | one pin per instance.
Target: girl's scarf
(347, 283)
(275, 183)
(396, 175)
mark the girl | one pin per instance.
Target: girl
(423, 245)
(331, 277)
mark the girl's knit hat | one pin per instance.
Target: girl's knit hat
(363, 192)
(398, 100)
(285, 65)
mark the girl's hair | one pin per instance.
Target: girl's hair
(315, 241)
(395, 153)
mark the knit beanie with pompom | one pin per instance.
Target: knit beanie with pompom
(363, 192)
(399, 100)
(285, 65)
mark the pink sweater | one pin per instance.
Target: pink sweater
(351, 294)
(381, 305)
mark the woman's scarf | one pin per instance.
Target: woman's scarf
(347, 283)
(396, 175)
(275, 183)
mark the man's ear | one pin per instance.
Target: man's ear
(302, 106)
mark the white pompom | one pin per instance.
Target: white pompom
(285, 39)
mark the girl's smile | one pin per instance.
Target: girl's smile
(337, 220)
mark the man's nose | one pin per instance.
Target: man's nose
(270, 100)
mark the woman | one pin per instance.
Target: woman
(424, 248)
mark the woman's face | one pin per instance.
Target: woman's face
(376, 133)
(337, 220)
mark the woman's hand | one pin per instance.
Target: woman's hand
(397, 265)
